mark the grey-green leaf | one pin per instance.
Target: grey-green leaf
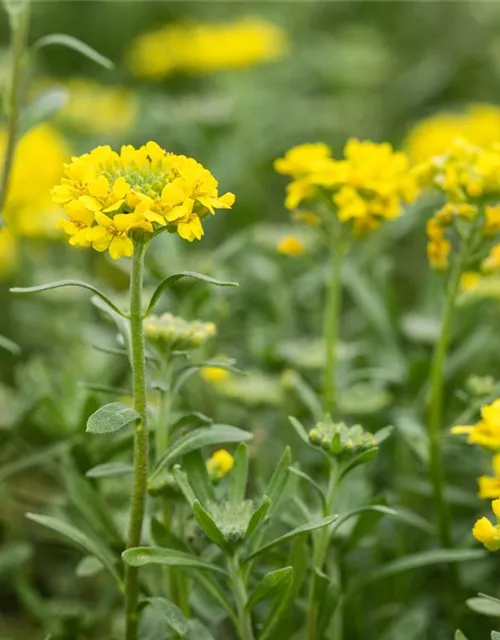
(170, 280)
(77, 45)
(79, 538)
(111, 418)
(258, 516)
(271, 585)
(485, 606)
(207, 524)
(140, 556)
(171, 613)
(202, 437)
(68, 283)
(239, 474)
(9, 345)
(309, 526)
(109, 470)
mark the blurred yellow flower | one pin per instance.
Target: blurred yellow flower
(486, 532)
(214, 374)
(38, 165)
(433, 136)
(469, 281)
(109, 196)
(205, 48)
(489, 486)
(8, 252)
(366, 187)
(486, 432)
(220, 464)
(290, 246)
(97, 108)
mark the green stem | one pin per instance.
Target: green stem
(19, 20)
(140, 438)
(331, 328)
(320, 548)
(436, 402)
(241, 598)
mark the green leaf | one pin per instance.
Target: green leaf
(88, 566)
(140, 556)
(271, 585)
(172, 615)
(207, 524)
(301, 474)
(196, 470)
(485, 605)
(69, 283)
(79, 538)
(184, 485)
(375, 510)
(109, 470)
(190, 421)
(277, 484)
(308, 526)
(170, 280)
(459, 635)
(13, 556)
(299, 429)
(197, 631)
(239, 475)
(44, 107)
(111, 418)
(258, 516)
(414, 561)
(29, 460)
(77, 45)
(495, 635)
(202, 437)
(361, 458)
(9, 345)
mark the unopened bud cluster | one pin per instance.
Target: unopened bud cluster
(340, 440)
(176, 333)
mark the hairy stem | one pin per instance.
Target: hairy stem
(20, 18)
(320, 549)
(436, 401)
(240, 597)
(140, 438)
(331, 328)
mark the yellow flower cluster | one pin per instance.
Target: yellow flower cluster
(480, 124)
(469, 178)
(486, 532)
(205, 48)
(96, 108)
(290, 246)
(109, 196)
(366, 187)
(220, 464)
(38, 162)
(486, 432)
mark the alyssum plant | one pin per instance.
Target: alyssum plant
(120, 202)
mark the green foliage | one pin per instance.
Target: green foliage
(111, 418)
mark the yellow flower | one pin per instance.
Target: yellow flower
(486, 532)
(366, 187)
(8, 252)
(220, 464)
(205, 48)
(38, 165)
(469, 281)
(438, 252)
(110, 196)
(492, 261)
(290, 246)
(492, 214)
(214, 374)
(486, 432)
(489, 486)
(433, 137)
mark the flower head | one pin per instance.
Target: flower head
(109, 196)
(340, 440)
(365, 187)
(205, 48)
(290, 246)
(177, 333)
(486, 432)
(489, 486)
(486, 532)
(220, 464)
(214, 374)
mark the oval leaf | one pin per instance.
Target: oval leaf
(110, 418)
(172, 615)
(208, 526)
(9, 345)
(69, 283)
(77, 45)
(202, 437)
(271, 585)
(484, 606)
(140, 556)
(110, 469)
(170, 280)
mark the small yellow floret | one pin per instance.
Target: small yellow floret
(214, 374)
(290, 246)
(220, 464)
